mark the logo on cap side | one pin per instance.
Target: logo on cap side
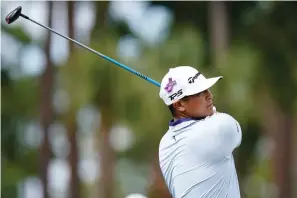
(192, 79)
(177, 94)
(170, 85)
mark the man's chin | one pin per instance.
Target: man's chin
(212, 111)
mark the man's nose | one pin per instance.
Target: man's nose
(208, 95)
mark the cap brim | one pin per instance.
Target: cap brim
(203, 85)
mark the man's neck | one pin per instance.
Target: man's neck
(178, 117)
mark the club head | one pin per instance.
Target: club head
(14, 15)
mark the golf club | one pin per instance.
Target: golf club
(16, 13)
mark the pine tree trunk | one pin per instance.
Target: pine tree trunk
(158, 188)
(107, 155)
(46, 109)
(279, 126)
(73, 158)
(105, 185)
(282, 158)
(219, 31)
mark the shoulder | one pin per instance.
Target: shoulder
(226, 123)
(223, 118)
(222, 115)
(164, 139)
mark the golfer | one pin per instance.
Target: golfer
(195, 154)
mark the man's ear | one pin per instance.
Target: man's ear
(179, 106)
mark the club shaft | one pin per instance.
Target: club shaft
(99, 54)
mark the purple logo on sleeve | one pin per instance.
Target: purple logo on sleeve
(170, 85)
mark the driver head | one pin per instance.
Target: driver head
(14, 15)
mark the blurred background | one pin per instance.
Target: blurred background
(75, 125)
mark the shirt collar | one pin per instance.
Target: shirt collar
(179, 121)
(173, 122)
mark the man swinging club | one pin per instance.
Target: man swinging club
(195, 154)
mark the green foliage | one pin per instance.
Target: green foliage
(18, 161)
(18, 33)
(19, 104)
(278, 52)
(239, 82)
(25, 105)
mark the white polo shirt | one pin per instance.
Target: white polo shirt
(196, 157)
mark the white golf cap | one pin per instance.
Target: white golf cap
(183, 81)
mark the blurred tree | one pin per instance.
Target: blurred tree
(18, 107)
(46, 111)
(273, 34)
(157, 188)
(197, 14)
(219, 31)
(71, 124)
(17, 160)
(103, 98)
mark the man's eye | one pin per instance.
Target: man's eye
(201, 93)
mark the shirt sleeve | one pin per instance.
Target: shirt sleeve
(230, 133)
